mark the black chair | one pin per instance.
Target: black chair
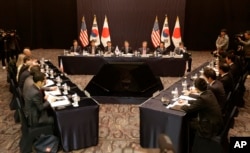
(30, 134)
(13, 104)
(216, 144)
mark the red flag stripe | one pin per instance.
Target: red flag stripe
(83, 34)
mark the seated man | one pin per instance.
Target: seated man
(187, 56)
(29, 80)
(225, 77)
(109, 49)
(209, 118)
(27, 52)
(234, 69)
(126, 48)
(215, 86)
(24, 71)
(144, 49)
(75, 48)
(93, 49)
(35, 107)
(161, 49)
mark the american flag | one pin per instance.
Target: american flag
(83, 34)
(155, 35)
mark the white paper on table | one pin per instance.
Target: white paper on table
(186, 97)
(48, 83)
(185, 102)
(60, 101)
(178, 56)
(165, 56)
(85, 54)
(146, 55)
(54, 92)
(127, 55)
(107, 55)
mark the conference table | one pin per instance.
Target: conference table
(77, 127)
(90, 65)
(155, 118)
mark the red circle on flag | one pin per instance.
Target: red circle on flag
(105, 32)
(177, 33)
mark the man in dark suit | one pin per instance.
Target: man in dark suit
(209, 118)
(225, 77)
(215, 86)
(29, 80)
(234, 69)
(144, 49)
(93, 49)
(25, 71)
(35, 107)
(126, 48)
(109, 49)
(76, 48)
(161, 49)
(182, 50)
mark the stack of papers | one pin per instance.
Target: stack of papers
(54, 92)
(127, 55)
(178, 56)
(48, 83)
(165, 56)
(56, 101)
(181, 101)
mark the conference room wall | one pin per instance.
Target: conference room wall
(131, 20)
(54, 23)
(204, 19)
(41, 23)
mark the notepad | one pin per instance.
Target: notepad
(186, 97)
(60, 101)
(54, 92)
(48, 83)
(177, 104)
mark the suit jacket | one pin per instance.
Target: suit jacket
(109, 50)
(180, 51)
(161, 50)
(227, 81)
(128, 50)
(209, 121)
(235, 72)
(22, 78)
(78, 49)
(141, 50)
(219, 92)
(96, 49)
(35, 108)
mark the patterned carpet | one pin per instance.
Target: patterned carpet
(118, 124)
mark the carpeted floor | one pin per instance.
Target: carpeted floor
(118, 124)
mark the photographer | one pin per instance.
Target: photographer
(221, 43)
(246, 47)
(3, 48)
(13, 44)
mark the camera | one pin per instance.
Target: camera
(237, 36)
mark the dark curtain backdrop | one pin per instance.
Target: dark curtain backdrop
(204, 19)
(54, 23)
(131, 20)
(41, 23)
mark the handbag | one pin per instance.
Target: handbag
(46, 144)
